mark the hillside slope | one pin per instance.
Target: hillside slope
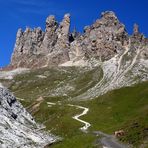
(102, 73)
(125, 108)
(18, 128)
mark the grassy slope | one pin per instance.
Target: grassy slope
(58, 118)
(125, 108)
(30, 86)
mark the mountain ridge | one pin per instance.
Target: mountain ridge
(102, 40)
(121, 58)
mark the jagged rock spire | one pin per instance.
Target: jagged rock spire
(103, 39)
(50, 22)
(19, 33)
(108, 15)
(63, 33)
(65, 24)
(136, 29)
(50, 35)
(18, 37)
(62, 44)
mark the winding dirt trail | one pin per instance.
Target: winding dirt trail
(76, 117)
(107, 141)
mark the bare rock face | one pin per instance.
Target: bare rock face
(18, 128)
(35, 48)
(50, 37)
(27, 47)
(59, 53)
(102, 40)
(63, 34)
(135, 29)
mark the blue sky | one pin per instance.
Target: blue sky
(16, 14)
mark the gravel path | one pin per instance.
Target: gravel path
(76, 117)
(107, 141)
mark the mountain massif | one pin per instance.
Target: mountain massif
(121, 58)
(56, 45)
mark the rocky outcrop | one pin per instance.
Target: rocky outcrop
(35, 48)
(102, 40)
(59, 51)
(27, 48)
(50, 37)
(18, 128)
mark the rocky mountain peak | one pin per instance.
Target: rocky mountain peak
(136, 29)
(102, 40)
(50, 21)
(63, 30)
(108, 19)
(66, 19)
(109, 15)
(19, 33)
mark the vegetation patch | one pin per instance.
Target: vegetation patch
(123, 109)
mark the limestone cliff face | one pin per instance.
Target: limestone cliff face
(102, 41)
(35, 48)
(27, 47)
(18, 128)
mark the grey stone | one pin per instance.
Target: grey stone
(18, 128)
(102, 40)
